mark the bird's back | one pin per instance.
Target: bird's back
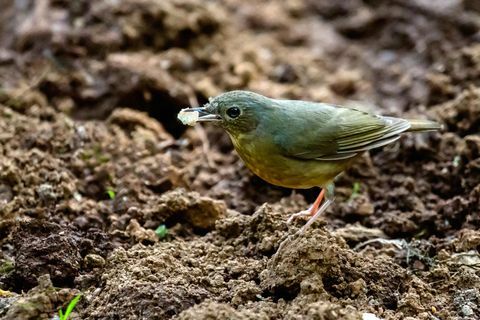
(327, 132)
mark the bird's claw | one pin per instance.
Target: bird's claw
(304, 213)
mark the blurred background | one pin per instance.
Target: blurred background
(87, 58)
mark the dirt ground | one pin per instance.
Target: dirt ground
(93, 161)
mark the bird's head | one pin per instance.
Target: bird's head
(236, 111)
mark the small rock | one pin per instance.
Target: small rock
(365, 208)
(358, 287)
(467, 310)
(140, 234)
(46, 192)
(92, 260)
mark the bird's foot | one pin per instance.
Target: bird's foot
(302, 214)
(310, 212)
(319, 212)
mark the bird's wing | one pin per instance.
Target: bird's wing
(327, 132)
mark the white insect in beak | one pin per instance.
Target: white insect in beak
(190, 116)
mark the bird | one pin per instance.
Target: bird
(300, 144)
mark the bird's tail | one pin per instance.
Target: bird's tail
(424, 125)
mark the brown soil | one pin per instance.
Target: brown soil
(93, 160)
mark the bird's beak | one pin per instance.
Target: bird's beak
(204, 115)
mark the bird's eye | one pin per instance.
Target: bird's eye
(233, 112)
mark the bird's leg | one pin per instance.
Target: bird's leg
(329, 198)
(311, 211)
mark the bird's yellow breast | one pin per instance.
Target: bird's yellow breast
(267, 161)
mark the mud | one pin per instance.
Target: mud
(104, 192)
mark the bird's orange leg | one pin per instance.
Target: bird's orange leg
(310, 212)
(317, 202)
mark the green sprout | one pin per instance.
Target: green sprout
(355, 191)
(111, 193)
(161, 231)
(70, 307)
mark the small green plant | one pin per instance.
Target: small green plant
(111, 193)
(355, 191)
(70, 307)
(161, 231)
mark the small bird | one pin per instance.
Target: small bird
(299, 144)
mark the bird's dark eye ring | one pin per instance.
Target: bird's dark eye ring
(233, 112)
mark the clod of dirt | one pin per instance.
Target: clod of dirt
(462, 114)
(264, 230)
(140, 234)
(191, 208)
(45, 248)
(320, 264)
(467, 240)
(128, 119)
(472, 147)
(463, 65)
(92, 260)
(38, 303)
(170, 277)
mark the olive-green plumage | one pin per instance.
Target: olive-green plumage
(299, 144)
